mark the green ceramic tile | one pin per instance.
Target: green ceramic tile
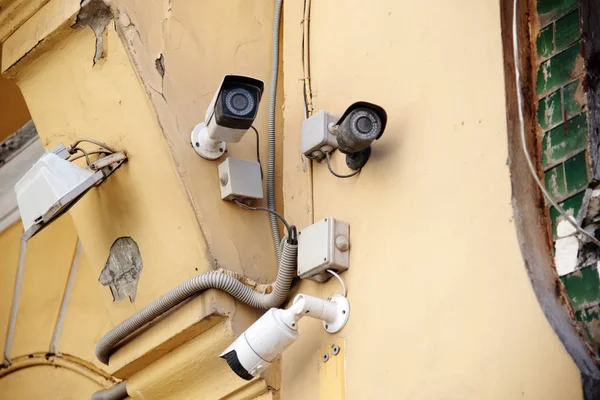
(550, 110)
(567, 30)
(545, 42)
(576, 172)
(559, 142)
(572, 206)
(574, 98)
(554, 180)
(551, 9)
(560, 69)
(583, 286)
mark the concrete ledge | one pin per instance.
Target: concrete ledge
(182, 324)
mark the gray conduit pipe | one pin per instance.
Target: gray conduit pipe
(197, 284)
(272, 103)
(117, 392)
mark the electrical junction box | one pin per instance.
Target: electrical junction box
(316, 138)
(240, 179)
(321, 246)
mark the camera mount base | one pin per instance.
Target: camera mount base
(204, 145)
(342, 314)
(356, 161)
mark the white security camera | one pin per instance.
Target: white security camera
(229, 115)
(360, 125)
(254, 350)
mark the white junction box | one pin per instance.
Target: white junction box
(240, 179)
(316, 137)
(321, 246)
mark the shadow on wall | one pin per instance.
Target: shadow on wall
(13, 110)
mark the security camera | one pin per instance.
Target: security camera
(360, 125)
(229, 115)
(253, 351)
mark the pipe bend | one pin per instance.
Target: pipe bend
(198, 284)
(117, 392)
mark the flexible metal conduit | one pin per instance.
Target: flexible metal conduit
(208, 280)
(272, 98)
(117, 392)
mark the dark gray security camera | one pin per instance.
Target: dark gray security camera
(361, 124)
(352, 134)
(229, 115)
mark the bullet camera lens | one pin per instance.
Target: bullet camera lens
(239, 101)
(365, 124)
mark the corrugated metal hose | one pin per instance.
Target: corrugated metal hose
(272, 103)
(197, 284)
(116, 392)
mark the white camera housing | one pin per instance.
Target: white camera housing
(254, 350)
(229, 115)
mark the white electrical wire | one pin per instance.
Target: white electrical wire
(339, 278)
(524, 142)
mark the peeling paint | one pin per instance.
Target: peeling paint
(160, 65)
(122, 270)
(95, 14)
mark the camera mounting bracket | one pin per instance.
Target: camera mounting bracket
(205, 146)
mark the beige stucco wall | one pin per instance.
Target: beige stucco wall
(441, 306)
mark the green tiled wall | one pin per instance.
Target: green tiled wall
(562, 119)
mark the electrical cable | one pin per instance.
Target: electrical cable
(258, 150)
(532, 168)
(85, 153)
(275, 213)
(339, 278)
(71, 159)
(96, 142)
(335, 173)
(307, 90)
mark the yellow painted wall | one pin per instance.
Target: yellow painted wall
(48, 261)
(46, 382)
(441, 305)
(9, 260)
(70, 99)
(47, 265)
(199, 42)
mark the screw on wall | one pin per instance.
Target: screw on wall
(325, 357)
(335, 349)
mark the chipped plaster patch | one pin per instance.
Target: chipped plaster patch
(122, 270)
(97, 15)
